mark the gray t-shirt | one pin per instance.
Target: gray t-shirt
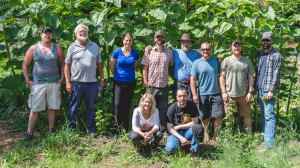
(237, 72)
(83, 61)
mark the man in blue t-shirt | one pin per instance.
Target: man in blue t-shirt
(183, 60)
(206, 70)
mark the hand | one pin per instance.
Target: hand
(196, 99)
(184, 141)
(248, 97)
(60, 81)
(30, 83)
(146, 83)
(148, 136)
(225, 97)
(102, 83)
(269, 95)
(69, 87)
(148, 49)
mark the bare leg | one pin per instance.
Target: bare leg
(205, 126)
(32, 120)
(217, 123)
(248, 123)
(51, 118)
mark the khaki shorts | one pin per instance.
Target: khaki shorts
(243, 107)
(44, 94)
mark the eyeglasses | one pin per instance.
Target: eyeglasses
(266, 40)
(205, 49)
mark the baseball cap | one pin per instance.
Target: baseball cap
(267, 35)
(46, 29)
(159, 33)
(236, 41)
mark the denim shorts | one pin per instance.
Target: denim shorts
(211, 106)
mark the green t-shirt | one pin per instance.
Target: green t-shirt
(237, 72)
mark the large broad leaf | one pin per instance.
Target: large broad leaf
(225, 26)
(159, 14)
(296, 17)
(202, 9)
(269, 13)
(186, 26)
(115, 2)
(23, 33)
(109, 37)
(37, 7)
(1, 19)
(140, 31)
(53, 19)
(210, 23)
(249, 22)
(198, 33)
(2, 47)
(97, 17)
(229, 12)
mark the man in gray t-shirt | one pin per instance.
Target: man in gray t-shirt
(82, 60)
(236, 83)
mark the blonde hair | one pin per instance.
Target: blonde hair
(153, 102)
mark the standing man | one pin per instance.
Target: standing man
(46, 79)
(236, 82)
(183, 60)
(268, 77)
(182, 121)
(82, 60)
(156, 75)
(206, 70)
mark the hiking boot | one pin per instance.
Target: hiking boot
(27, 137)
(94, 135)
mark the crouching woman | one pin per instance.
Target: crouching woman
(145, 122)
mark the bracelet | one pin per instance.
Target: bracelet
(102, 79)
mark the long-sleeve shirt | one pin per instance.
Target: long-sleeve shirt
(139, 123)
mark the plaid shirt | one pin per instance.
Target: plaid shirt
(158, 63)
(273, 69)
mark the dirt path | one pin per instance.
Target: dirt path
(7, 138)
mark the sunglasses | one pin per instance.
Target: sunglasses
(266, 40)
(205, 49)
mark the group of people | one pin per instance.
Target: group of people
(232, 80)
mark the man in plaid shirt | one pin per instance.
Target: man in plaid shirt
(156, 75)
(268, 77)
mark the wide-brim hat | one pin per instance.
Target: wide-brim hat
(186, 37)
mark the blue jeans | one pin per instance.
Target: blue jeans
(268, 119)
(173, 142)
(87, 91)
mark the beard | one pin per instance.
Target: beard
(185, 48)
(82, 38)
(266, 46)
(162, 42)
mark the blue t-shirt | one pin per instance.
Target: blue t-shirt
(124, 69)
(183, 63)
(206, 71)
(263, 67)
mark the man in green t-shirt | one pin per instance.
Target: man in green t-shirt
(236, 83)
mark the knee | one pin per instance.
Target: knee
(170, 147)
(198, 131)
(159, 135)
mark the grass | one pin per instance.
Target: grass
(77, 149)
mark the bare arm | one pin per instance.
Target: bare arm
(100, 69)
(223, 88)
(187, 125)
(61, 58)
(193, 89)
(112, 64)
(251, 83)
(67, 71)
(27, 61)
(145, 75)
(136, 63)
(174, 132)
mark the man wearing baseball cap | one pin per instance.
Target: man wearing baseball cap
(267, 78)
(46, 79)
(156, 74)
(183, 61)
(236, 83)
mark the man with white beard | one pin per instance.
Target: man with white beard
(82, 60)
(183, 61)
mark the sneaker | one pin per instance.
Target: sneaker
(27, 136)
(52, 131)
(94, 135)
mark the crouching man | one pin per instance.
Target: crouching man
(182, 124)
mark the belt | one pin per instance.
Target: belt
(184, 81)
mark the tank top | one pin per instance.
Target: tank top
(45, 66)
